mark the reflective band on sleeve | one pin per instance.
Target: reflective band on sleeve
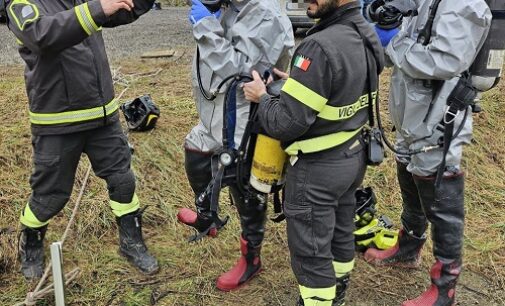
(28, 218)
(74, 116)
(335, 113)
(342, 268)
(121, 209)
(85, 20)
(304, 94)
(317, 296)
(321, 143)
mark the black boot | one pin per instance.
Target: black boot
(342, 285)
(199, 172)
(131, 243)
(444, 206)
(31, 252)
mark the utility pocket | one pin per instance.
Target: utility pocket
(300, 229)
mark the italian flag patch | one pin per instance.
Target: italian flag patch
(302, 62)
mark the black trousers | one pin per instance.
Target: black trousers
(320, 208)
(55, 159)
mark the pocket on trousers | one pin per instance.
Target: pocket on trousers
(300, 229)
(46, 160)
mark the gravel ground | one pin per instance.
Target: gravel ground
(168, 28)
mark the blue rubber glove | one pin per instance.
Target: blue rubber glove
(199, 11)
(386, 35)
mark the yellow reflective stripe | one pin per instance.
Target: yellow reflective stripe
(74, 116)
(28, 218)
(304, 94)
(342, 268)
(80, 18)
(19, 42)
(85, 19)
(121, 209)
(89, 17)
(317, 296)
(335, 113)
(321, 143)
(25, 22)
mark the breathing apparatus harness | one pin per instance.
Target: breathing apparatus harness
(464, 94)
(233, 165)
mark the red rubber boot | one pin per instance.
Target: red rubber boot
(442, 291)
(405, 254)
(248, 266)
(200, 223)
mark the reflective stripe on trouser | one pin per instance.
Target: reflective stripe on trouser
(74, 116)
(321, 143)
(121, 209)
(317, 296)
(343, 268)
(29, 219)
(319, 208)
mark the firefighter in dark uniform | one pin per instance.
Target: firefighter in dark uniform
(319, 119)
(73, 111)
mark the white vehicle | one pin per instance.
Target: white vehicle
(297, 13)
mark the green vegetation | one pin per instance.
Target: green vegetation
(189, 271)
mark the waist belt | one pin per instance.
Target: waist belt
(75, 116)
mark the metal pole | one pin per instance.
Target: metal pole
(58, 279)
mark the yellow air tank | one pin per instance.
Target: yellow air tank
(268, 164)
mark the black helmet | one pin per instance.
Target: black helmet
(141, 114)
(386, 16)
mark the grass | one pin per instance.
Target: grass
(189, 271)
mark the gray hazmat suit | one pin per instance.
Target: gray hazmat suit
(249, 34)
(459, 31)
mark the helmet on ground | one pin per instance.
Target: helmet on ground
(141, 114)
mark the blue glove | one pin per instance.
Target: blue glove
(385, 35)
(199, 11)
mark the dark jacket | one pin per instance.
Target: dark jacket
(68, 79)
(325, 98)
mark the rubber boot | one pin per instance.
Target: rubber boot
(405, 254)
(199, 172)
(248, 266)
(444, 206)
(131, 243)
(31, 252)
(442, 291)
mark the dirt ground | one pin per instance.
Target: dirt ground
(188, 271)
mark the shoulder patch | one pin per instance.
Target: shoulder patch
(302, 62)
(23, 12)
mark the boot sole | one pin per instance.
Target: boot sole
(241, 285)
(137, 268)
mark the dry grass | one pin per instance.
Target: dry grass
(189, 271)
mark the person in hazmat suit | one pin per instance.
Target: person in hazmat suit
(73, 111)
(319, 118)
(430, 55)
(231, 39)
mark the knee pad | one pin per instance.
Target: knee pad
(121, 187)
